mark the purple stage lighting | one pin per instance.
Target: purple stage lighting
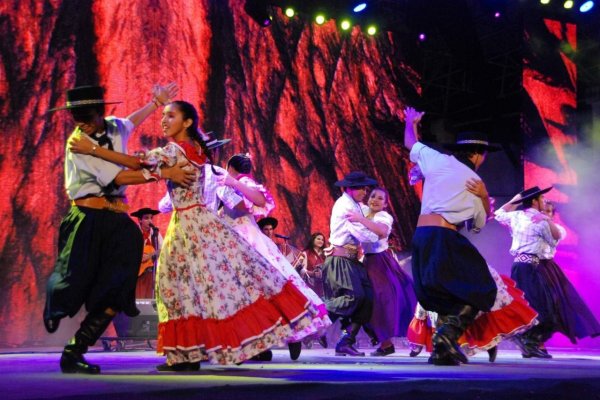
(422, 37)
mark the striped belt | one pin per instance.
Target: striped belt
(117, 205)
(527, 259)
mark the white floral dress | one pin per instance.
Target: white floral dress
(245, 224)
(217, 297)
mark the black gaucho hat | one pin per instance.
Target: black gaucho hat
(84, 96)
(144, 211)
(472, 139)
(267, 221)
(356, 179)
(531, 193)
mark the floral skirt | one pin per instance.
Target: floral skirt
(217, 297)
(249, 230)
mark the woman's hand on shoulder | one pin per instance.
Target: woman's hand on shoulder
(80, 144)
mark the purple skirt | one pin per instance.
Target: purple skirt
(394, 297)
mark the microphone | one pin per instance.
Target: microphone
(281, 236)
(153, 227)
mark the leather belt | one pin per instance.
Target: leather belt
(347, 251)
(117, 205)
(527, 259)
(435, 220)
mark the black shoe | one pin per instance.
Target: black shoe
(295, 350)
(383, 352)
(264, 356)
(443, 346)
(532, 351)
(347, 350)
(415, 350)
(445, 359)
(51, 324)
(73, 363)
(181, 367)
(492, 353)
(323, 341)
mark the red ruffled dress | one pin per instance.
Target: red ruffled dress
(217, 297)
(511, 314)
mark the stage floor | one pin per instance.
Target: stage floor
(318, 374)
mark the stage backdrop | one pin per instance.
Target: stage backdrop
(556, 152)
(308, 103)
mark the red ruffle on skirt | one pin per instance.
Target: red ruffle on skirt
(491, 327)
(247, 325)
(420, 333)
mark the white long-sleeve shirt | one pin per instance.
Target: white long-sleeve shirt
(528, 237)
(444, 190)
(345, 232)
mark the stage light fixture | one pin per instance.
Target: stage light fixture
(422, 37)
(289, 12)
(320, 19)
(568, 4)
(359, 7)
(587, 6)
(345, 24)
(258, 10)
(371, 30)
(497, 14)
(545, 2)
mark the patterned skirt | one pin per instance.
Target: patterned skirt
(247, 227)
(217, 297)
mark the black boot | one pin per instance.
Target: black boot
(345, 345)
(51, 324)
(295, 349)
(445, 339)
(492, 353)
(72, 360)
(371, 333)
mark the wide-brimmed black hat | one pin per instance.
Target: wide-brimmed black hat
(267, 221)
(531, 193)
(356, 179)
(84, 96)
(472, 139)
(144, 211)
(212, 142)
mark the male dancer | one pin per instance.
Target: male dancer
(547, 289)
(347, 290)
(100, 247)
(450, 276)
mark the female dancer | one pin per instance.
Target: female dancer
(217, 297)
(394, 298)
(312, 259)
(310, 264)
(258, 203)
